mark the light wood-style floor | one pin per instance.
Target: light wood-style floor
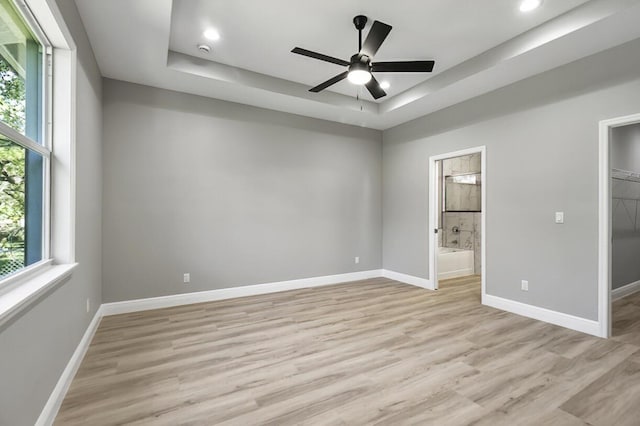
(369, 352)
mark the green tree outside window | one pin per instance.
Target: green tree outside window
(12, 172)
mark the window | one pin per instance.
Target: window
(25, 150)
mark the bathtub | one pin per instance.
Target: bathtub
(454, 262)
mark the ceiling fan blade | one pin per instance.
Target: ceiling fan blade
(320, 56)
(378, 32)
(408, 66)
(329, 82)
(374, 88)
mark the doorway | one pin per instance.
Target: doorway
(457, 210)
(619, 297)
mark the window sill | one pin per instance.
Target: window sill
(24, 292)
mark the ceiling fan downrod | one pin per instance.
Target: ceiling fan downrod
(360, 21)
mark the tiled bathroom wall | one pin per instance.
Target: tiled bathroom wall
(467, 224)
(462, 196)
(468, 235)
(460, 165)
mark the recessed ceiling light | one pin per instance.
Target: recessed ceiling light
(529, 5)
(385, 84)
(211, 34)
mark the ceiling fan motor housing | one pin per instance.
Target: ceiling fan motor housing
(360, 62)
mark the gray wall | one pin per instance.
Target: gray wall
(625, 154)
(234, 195)
(542, 156)
(36, 346)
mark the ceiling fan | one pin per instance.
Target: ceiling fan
(361, 67)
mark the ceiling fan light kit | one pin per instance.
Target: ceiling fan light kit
(359, 73)
(360, 68)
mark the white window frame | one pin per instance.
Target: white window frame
(44, 148)
(21, 289)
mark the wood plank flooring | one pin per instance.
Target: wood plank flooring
(368, 352)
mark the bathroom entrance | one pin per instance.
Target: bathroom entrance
(457, 188)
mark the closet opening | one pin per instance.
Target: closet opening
(624, 158)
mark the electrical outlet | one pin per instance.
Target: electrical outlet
(559, 217)
(524, 285)
(187, 277)
(88, 305)
(356, 259)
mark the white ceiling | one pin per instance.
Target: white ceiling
(449, 31)
(478, 46)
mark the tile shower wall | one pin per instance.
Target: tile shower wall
(468, 237)
(462, 196)
(461, 165)
(468, 224)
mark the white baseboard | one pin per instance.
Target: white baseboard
(408, 279)
(455, 274)
(624, 291)
(50, 410)
(541, 314)
(137, 305)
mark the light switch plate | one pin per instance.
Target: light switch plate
(559, 217)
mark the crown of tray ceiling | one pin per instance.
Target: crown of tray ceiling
(477, 47)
